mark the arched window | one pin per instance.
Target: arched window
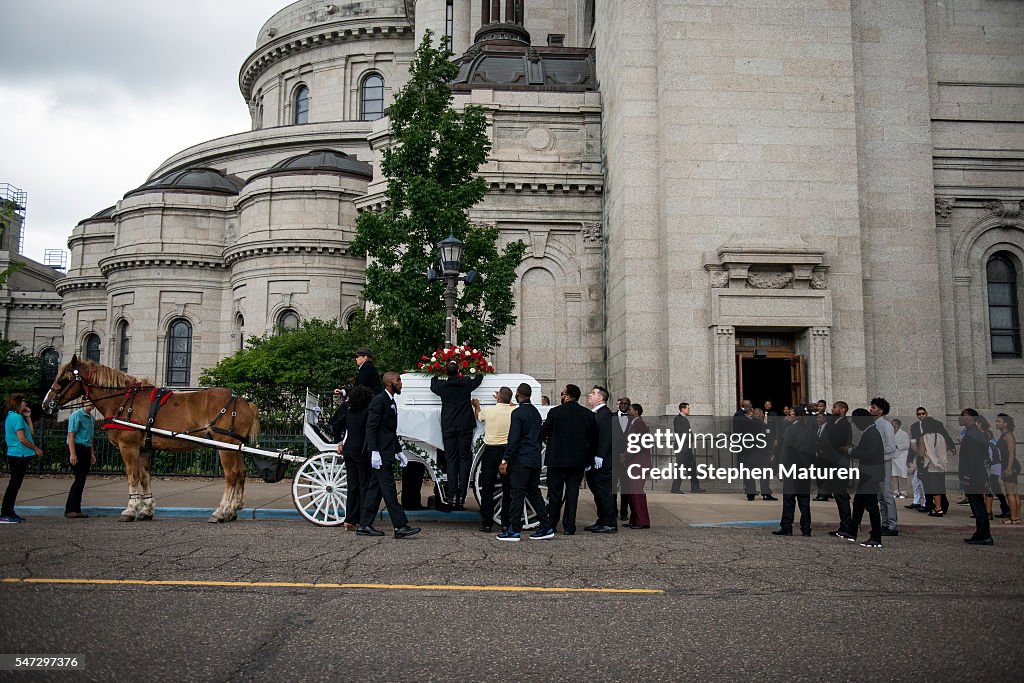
(92, 347)
(288, 320)
(1003, 314)
(179, 352)
(51, 366)
(301, 105)
(240, 331)
(122, 347)
(372, 98)
(351, 318)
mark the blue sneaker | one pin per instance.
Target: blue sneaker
(508, 535)
(15, 520)
(542, 534)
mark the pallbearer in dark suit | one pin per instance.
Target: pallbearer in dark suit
(639, 517)
(383, 446)
(457, 427)
(523, 463)
(799, 448)
(353, 450)
(570, 432)
(599, 476)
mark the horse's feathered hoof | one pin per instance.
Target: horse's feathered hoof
(126, 518)
(214, 519)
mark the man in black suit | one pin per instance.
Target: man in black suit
(367, 375)
(832, 444)
(571, 436)
(687, 457)
(522, 463)
(384, 448)
(799, 447)
(599, 476)
(620, 423)
(870, 456)
(457, 426)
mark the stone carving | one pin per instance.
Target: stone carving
(592, 233)
(719, 279)
(944, 206)
(768, 279)
(539, 139)
(996, 207)
(533, 55)
(818, 281)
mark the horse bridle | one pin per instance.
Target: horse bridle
(62, 384)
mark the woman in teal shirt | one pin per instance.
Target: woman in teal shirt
(20, 447)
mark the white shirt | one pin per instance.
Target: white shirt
(888, 437)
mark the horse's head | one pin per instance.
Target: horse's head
(68, 386)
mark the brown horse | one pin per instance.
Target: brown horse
(211, 414)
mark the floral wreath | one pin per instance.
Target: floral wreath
(471, 362)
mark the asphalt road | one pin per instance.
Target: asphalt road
(737, 603)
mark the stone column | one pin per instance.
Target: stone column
(947, 304)
(819, 364)
(723, 375)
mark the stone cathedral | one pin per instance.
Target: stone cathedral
(722, 199)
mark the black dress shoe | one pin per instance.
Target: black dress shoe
(821, 497)
(912, 506)
(769, 497)
(591, 527)
(638, 526)
(406, 531)
(978, 541)
(698, 490)
(782, 532)
(605, 530)
(486, 528)
(751, 496)
(890, 532)
(806, 532)
(677, 491)
(368, 531)
(569, 532)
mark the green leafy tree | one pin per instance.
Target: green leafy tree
(20, 371)
(7, 209)
(430, 168)
(274, 371)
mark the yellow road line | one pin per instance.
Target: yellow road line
(289, 584)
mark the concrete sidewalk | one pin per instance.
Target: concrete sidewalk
(198, 496)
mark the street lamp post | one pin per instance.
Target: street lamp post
(452, 250)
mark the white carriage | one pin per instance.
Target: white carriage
(320, 486)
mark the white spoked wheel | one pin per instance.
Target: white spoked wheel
(320, 490)
(531, 516)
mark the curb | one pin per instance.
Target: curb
(244, 513)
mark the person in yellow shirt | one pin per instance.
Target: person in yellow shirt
(496, 419)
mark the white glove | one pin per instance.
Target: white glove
(402, 460)
(587, 470)
(375, 460)
(598, 463)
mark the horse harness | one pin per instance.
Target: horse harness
(157, 399)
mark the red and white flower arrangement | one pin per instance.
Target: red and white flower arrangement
(471, 362)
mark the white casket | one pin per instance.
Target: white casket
(419, 409)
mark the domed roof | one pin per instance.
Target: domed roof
(193, 180)
(102, 215)
(320, 161)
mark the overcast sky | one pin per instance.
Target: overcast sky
(96, 93)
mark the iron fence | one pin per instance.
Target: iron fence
(202, 462)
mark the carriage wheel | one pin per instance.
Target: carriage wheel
(320, 490)
(531, 516)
